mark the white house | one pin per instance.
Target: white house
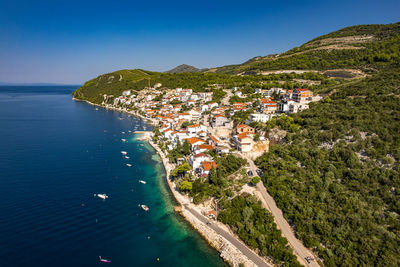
(196, 160)
(260, 117)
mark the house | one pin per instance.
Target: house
(268, 106)
(301, 94)
(185, 116)
(214, 141)
(196, 128)
(221, 121)
(243, 128)
(194, 141)
(213, 105)
(206, 166)
(285, 105)
(202, 148)
(222, 149)
(196, 160)
(195, 114)
(260, 117)
(243, 142)
(126, 93)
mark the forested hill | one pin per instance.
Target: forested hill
(355, 47)
(183, 68)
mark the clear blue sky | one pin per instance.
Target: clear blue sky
(72, 41)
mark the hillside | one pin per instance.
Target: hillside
(111, 84)
(357, 47)
(183, 68)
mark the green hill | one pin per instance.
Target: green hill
(111, 84)
(357, 47)
(183, 68)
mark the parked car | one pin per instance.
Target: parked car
(259, 172)
(250, 173)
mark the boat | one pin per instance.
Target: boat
(129, 165)
(127, 157)
(142, 182)
(104, 260)
(145, 207)
(97, 109)
(123, 132)
(102, 196)
(123, 140)
(124, 152)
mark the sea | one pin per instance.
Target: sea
(56, 155)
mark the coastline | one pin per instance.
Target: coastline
(212, 233)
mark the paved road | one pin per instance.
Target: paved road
(296, 244)
(245, 250)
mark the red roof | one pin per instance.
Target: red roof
(209, 147)
(215, 140)
(243, 135)
(193, 140)
(201, 155)
(207, 165)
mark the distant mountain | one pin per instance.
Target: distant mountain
(183, 68)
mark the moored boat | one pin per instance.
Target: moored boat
(104, 260)
(102, 196)
(142, 182)
(145, 207)
(124, 152)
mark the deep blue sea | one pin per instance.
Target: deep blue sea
(55, 154)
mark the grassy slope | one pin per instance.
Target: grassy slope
(111, 84)
(306, 57)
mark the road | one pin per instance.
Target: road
(300, 250)
(244, 249)
(225, 100)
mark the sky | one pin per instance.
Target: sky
(70, 42)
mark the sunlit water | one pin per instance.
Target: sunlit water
(55, 154)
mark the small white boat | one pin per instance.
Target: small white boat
(145, 207)
(97, 109)
(123, 140)
(102, 196)
(104, 260)
(127, 157)
(142, 182)
(124, 152)
(129, 165)
(123, 132)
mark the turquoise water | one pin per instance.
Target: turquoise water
(55, 154)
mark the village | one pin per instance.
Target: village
(182, 115)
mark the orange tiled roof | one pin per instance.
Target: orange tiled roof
(207, 165)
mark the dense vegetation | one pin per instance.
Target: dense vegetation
(256, 227)
(337, 178)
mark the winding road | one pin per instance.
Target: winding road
(268, 202)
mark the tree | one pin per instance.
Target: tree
(186, 148)
(186, 186)
(180, 170)
(212, 176)
(255, 180)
